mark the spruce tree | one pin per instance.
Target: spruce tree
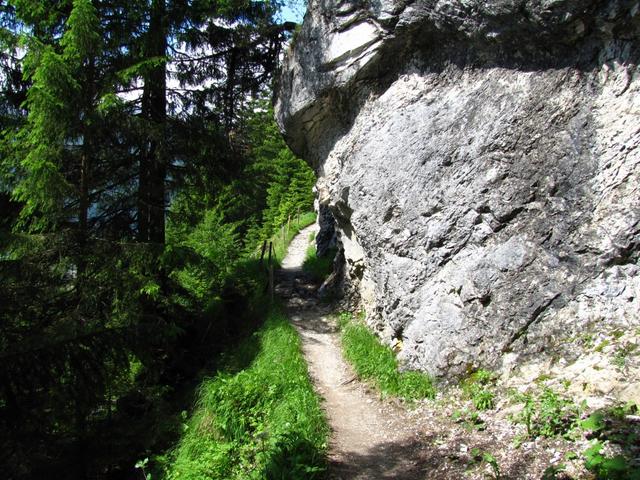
(122, 107)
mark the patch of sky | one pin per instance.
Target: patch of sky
(293, 11)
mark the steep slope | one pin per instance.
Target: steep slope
(480, 161)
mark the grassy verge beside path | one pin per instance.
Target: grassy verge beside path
(283, 237)
(318, 268)
(377, 364)
(257, 419)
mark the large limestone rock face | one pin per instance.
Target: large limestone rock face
(481, 161)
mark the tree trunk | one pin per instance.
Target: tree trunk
(153, 163)
(229, 97)
(84, 188)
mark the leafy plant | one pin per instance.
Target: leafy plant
(142, 465)
(479, 456)
(493, 463)
(470, 419)
(478, 387)
(609, 468)
(610, 426)
(622, 354)
(547, 414)
(204, 257)
(602, 345)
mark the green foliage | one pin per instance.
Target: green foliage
(82, 37)
(59, 115)
(133, 321)
(469, 418)
(101, 336)
(260, 418)
(375, 362)
(283, 236)
(478, 456)
(318, 268)
(203, 258)
(269, 191)
(622, 355)
(74, 341)
(617, 467)
(478, 387)
(43, 187)
(285, 182)
(594, 422)
(610, 426)
(547, 414)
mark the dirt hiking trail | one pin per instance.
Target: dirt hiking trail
(371, 439)
(375, 439)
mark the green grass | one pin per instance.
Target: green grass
(377, 364)
(257, 419)
(318, 268)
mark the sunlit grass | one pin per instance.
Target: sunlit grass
(377, 364)
(259, 418)
(284, 235)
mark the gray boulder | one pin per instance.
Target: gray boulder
(481, 161)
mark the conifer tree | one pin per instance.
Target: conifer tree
(57, 140)
(123, 106)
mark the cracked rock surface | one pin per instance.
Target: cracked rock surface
(481, 161)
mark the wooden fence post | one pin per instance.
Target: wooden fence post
(264, 248)
(271, 286)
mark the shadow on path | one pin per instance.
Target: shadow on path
(397, 460)
(370, 438)
(375, 439)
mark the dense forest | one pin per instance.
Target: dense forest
(140, 172)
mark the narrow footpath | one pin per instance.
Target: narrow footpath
(376, 439)
(371, 439)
